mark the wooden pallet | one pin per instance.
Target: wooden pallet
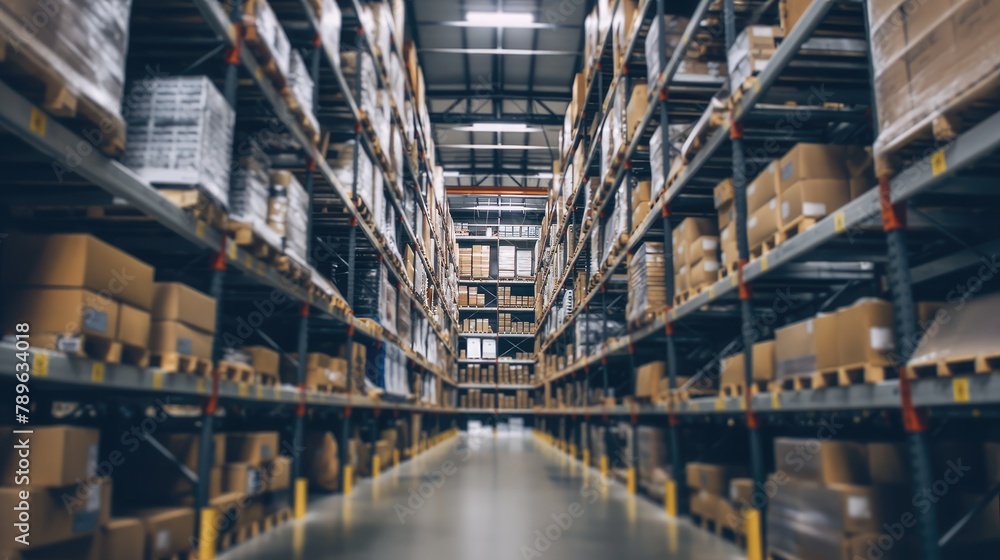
(235, 371)
(181, 363)
(804, 382)
(95, 347)
(363, 210)
(292, 270)
(950, 118)
(728, 269)
(706, 523)
(736, 389)
(198, 205)
(795, 227)
(987, 362)
(261, 50)
(244, 235)
(325, 388)
(647, 318)
(858, 374)
(29, 68)
(134, 355)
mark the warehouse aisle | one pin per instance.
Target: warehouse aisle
(487, 499)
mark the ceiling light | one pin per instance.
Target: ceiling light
(497, 127)
(499, 19)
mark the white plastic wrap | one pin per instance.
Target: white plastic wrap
(675, 27)
(330, 22)
(302, 86)
(368, 98)
(181, 135)
(249, 191)
(83, 42)
(647, 291)
(257, 14)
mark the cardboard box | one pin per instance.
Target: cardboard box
(703, 273)
(704, 504)
(76, 261)
(741, 492)
(712, 478)
(705, 247)
(170, 336)
(762, 189)
(174, 301)
(244, 478)
(806, 347)
(122, 538)
(762, 224)
(763, 360)
(60, 455)
(277, 474)
(169, 531)
(134, 325)
(723, 193)
(813, 198)
(638, 102)
(264, 360)
(692, 228)
(865, 333)
(648, 378)
(860, 170)
(59, 312)
(84, 509)
(252, 447)
(834, 462)
(732, 371)
(812, 161)
(790, 11)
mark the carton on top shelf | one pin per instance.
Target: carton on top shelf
(806, 346)
(763, 188)
(865, 333)
(76, 261)
(174, 301)
(60, 312)
(836, 462)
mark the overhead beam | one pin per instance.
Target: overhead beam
(491, 147)
(536, 25)
(458, 118)
(504, 191)
(502, 95)
(500, 52)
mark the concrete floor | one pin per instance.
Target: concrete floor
(507, 498)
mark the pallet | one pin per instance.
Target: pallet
(234, 371)
(729, 269)
(858, 374)
(181, 363)
(766, 247)
(244, 235)
(690, 293)
(134, 355)
(262, 52)
(325, 388)
(683, 395)
(292, 270)
(736, 389)
(95, 347)
(28, 66)
(970, 106)
(198, 205)
(982, 363)
(795, 227)
(308, 125)
(804, 382)
(706, 523)
(643, 321)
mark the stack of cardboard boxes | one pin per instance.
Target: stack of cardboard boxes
(752, 50)
(323, 372)
(733, 372)
(710, 488)
(79, 295)
(476, 326)
(183, 322)
(509, 326)
(480, 261)
(858, 339)
(696, 260)
(470, 296)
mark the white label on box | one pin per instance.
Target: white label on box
(809, 326)
(92, 460)
(725, 233)
(94, 496)
(858, 507)
(752, 222)
(752, 188)
(814, 209)
(880, 338)
(709, 244)
(162, 539)
(773, 204)
(762, 31)
(760, 65)
(710, 266)
(785, 209)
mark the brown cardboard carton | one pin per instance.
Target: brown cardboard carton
(763, 360)
(732, 371)
(60, 514)
(860, 169)
(169, 531)
(791, 11)
(321, 461)
(252, 447)
(811, 161)
(806, 347)
(70, 454)
(888, 463)
(834, 462)
(179, 302)
(704, 504)
(170, 336)
(763, 224)
(865, 333)
(76, 261)
(813, 198)
(712, 478)
(705, 247)
(244, 478)
(264, 360)
(693, 228)
(59, 312)
(741, 492)
(762, 189)
(723, 193)
(648, 378)
(278, 474)
(122, 538)
(134, 325)
(637, 104)
(728, 251)
(703, 273)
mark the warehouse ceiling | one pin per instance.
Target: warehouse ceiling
(518, 75)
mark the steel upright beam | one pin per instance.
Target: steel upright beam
(755, 538)
(677, 485)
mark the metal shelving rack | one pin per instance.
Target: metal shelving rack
(737, 298)
(235, 274)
